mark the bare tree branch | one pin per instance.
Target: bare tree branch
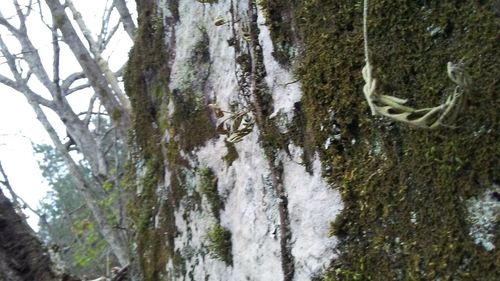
(109, 36)
(30, 53)
(21, 16)
(8, 82)
(126, 18)
(57, 56)
(106, 17)
(94, 48)
(11, 61)
(6, 183)
(76, 89)
(90, 67)
(10, 27)
(49, 26)
(70, 80)
(74, 125)
(88, 115)
(18, 200)
(95, 69)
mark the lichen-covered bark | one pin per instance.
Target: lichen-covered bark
(146, 81)
(411, 197)
(174, 129)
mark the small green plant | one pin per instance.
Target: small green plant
(219, 244)
(208, 188)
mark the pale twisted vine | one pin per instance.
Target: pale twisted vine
(395, 108)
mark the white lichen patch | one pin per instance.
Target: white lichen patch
(251, 209)
(196, 18)
(312, 206)
(483, 215)
(284, 87)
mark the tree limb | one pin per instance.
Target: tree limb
(94, 48)
(29, 52)
(126, 18)
(22, 255)
(55, 67)
(17, 200)
(70, 80)
(16, 85)
(86, 120)
(7, 185)
(90, 67)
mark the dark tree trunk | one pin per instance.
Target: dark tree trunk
(22, 255)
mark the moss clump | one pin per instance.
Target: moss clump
(404, 189)
(232, 154)
(219, 244)
(116, 115)
(179, 264)
(146, 81)
(191, 116)
(150, 240)
(208, 188)
(279, 18)
(191, 119)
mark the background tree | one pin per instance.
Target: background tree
(25, 70)
(67, 222)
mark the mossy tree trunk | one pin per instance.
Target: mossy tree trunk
(407, 192)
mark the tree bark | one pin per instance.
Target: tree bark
(22, 255)
(126, 18)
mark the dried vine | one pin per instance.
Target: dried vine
(395, 108)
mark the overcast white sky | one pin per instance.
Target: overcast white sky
(18, 124)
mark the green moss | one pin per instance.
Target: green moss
(179, 264)
(116, 115)
(208, 188)
(403, 188)
(150, 240)
(232, 154)
(146, 81)
(392, 175)
(185, 128)
(279, 18)
(191, 116)
(163, 118)
(176, 164)
(219, 244)
(191, 119)
(59, 20)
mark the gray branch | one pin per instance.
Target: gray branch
(126, 18)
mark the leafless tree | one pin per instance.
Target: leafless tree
(23, 70)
